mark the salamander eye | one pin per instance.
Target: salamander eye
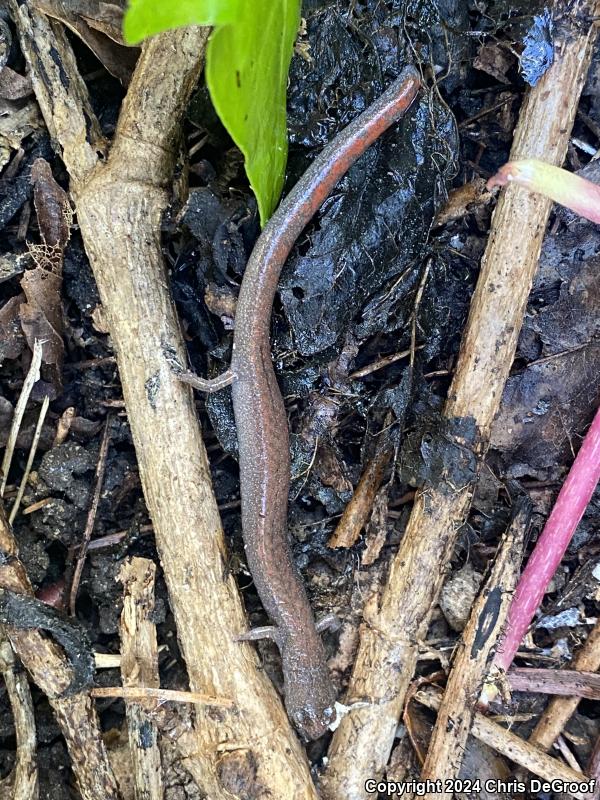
(300, 718)
(312, 723)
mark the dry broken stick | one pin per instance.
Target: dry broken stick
(562, 682)
(91, 517)
(160, 696)
(31, 378)
(593, 767)
(387, 653)
(451, 731)
(23, 780)
(139, 667)
(520, 752)
(119, 203)
(358, 510)
(560, 709)
(49, 668)
(32, 451)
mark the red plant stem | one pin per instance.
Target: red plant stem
(550, 548)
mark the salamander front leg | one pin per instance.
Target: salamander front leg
(207, 385)
(328, 622)
(262, 632)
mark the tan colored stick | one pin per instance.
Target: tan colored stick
(120, 203)
(593, 768)
(32, 451)
(357, 512)
(387, 653)
(153, 697)
(139, 667)
(561, 682)
(33, 375)
(451, 731)
(24, 777)
(522, 753)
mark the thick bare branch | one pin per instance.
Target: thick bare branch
(455, 716)
(120, 204)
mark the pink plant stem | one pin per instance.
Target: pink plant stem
(563, 187)
(550, 548)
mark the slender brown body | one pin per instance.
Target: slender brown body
(261, 420)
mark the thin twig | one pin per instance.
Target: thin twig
(32, 452)
(360, 506)
(161, 695)
(107, 660)
(563, 748)
(91, 517)
(415, 312)
(32, 377)
(381, 363)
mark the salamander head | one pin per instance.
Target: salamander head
(312, 722)
(309, 692)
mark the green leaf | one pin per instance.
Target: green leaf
(247, 62)
(147, 17)
(246, 71)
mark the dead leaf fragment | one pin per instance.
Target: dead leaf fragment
(15, 124)
(14, 86)
(12, 340)
(495, 61)
(99, 26)
(462, 201)
(99, 320)
(42, 315)
(51, 206)
(221, 302)
(5, 42)
(41, 319)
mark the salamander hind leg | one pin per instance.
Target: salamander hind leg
(207, 385)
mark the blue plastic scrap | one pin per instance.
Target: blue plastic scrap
(538, 54)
